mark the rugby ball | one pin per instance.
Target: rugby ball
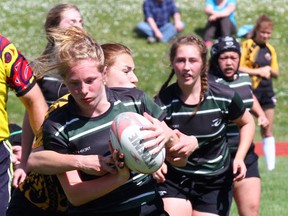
(126, 136)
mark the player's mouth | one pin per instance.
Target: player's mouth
(229, 69)
(87, 100)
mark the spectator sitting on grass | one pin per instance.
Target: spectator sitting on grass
(157, 25)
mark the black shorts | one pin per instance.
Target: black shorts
(251, 162)
(153, 208)
(206, 194)
(5, 173)
(266, 98)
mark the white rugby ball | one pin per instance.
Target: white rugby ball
(126, 136)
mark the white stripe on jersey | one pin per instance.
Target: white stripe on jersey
(64, 126)
(90, 131)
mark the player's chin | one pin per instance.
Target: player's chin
(229, 73)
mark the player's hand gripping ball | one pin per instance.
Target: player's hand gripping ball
(126, 136)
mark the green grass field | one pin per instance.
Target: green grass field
(113, 21)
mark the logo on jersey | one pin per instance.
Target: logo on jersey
(267, 56)
(216, 122)
(86, 149)
(162, 193)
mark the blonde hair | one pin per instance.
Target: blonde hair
(73, 44)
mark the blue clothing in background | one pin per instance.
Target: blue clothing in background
(217, 8)
(162, 13)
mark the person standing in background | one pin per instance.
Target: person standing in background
(17, 75)
(157, 25)
(259, 60)
(221, 19)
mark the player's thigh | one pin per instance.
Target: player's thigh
(177, 206)
(248, 191)
(198, 213)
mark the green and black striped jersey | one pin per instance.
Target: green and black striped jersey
(242, 85)
(66, 132)
(209, 123)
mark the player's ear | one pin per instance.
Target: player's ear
(105, 74)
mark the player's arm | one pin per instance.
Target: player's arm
(36, 107)
(80, 192)
(178, 145)
(26, 143)
(261, 71)
(49, 162)
(247, 129)
(274, 63)
(257, 111)
(181, 148)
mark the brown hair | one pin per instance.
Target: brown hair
(194, 41)
(41, 64)
(53, 19)
(112, 50)
(263, 20)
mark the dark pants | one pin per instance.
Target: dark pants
(5, 176)
(219, 28)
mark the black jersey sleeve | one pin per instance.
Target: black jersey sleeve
(53, 138)
(236, 108)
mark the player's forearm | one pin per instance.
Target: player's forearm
(250, 71)
(247, 131)
(26, 140)
(256, 109)
(79, 193)
(50, 162)
(36, 107)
